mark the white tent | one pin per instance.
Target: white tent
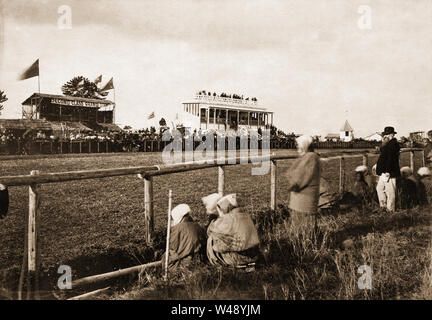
(376, 136)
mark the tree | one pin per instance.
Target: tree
(162, 122)
(3, 98)
(82, 87)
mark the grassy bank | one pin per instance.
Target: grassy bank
(97, 225)
(395, 246)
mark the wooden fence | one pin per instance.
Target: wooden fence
(148, 145)
(147, 173)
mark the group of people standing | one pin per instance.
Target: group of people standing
(401, 185)
(231, 238)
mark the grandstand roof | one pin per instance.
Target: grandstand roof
(67, 98)
(25, 124)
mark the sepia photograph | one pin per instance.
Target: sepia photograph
(215, 156)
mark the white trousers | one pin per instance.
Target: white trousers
(386, 189)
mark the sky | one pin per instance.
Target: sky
(306, 60)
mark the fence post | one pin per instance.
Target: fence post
(106, 147)
(273, 176)
(341, 174)
(412, 160)
(365, 159)
(98, 146)
(80, 147)
(32, 240)
(148, 208)
(423, 158)
(89, 146)
(221, 180)
(51, 146)
(70, 147)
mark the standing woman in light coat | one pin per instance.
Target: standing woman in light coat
(303, 179)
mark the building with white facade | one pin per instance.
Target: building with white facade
(212, 112)
(346, 132)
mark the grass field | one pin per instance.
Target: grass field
(97, 225)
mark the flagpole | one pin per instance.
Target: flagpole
(114, 107)
(39, 83)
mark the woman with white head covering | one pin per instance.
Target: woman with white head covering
(425, 185)
(361, 189)
(187, 240)
(303, 181)
(232, 237)
(407, 190)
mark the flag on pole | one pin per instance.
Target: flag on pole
(108, 86)
(151, 115)
(32, 71)
(98, 80)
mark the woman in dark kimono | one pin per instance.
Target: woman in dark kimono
(187, 239)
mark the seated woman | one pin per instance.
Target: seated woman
(425, 186)
(362, 189)
(187, 238)
(232, 236)
(407, 189)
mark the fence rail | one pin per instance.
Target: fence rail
(17, 147)
(147, 173)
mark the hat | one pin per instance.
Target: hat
(388, 130)
(406, 172)
(361, 169)
(227, 203)
(210, 202)
(179, 212)
(303, 142)
(423, 172)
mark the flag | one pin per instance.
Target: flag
(108, 86)
(98, 80)
(151, 115)
(32, 71)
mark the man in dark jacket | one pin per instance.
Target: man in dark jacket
(428, 151)
(388, 169)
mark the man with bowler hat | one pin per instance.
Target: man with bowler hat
(388, 169)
